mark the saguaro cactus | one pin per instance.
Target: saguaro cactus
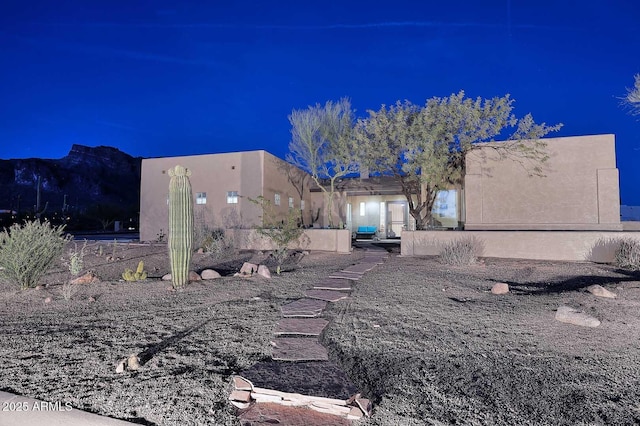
(180, 239)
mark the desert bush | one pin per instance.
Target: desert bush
(461, 251)
(27, 251)
(280, 231)
(212, 241)
(627, 254)
(75, 263)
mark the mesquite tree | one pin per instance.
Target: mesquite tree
(322, 144)
(426, 147)
(180, 240)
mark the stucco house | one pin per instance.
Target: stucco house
(222, 185)
(579, 191)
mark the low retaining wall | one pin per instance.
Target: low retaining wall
(593, 246)
(333, 240)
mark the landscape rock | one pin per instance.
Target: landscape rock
(91, 299)
(193, 276)
(209, 274)
(120, 367)
(600, 291)
(263, 271)
(133, 362)
(166, 277)
(500, 288)
(48, 300)
(87, 278)
(569, 315)
(248, 268)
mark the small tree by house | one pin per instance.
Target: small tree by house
(281, 231)
(323, 145)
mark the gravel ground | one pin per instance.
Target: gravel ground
(428, 343)
(192, 341)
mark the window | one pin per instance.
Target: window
(362, 212)
(290, 202)
(301, 204)
(277, 199)
(201, 198)
(232, 197)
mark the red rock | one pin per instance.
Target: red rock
(87, 278)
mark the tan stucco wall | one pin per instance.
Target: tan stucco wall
(332, 240)
(594, 246)
(579, 191)
(250, 173)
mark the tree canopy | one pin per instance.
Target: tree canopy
(425, 146)
(632, 99)
(323, 145)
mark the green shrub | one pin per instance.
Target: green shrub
(28, 251)
(212, 241)
(461, 251)
(627, 254)
(280, 230)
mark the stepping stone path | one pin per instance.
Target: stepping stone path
(328, 295)
(304, 308)
(309, 389)
(301, 326)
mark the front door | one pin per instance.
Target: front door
(396, 218)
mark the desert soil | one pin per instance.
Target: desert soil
(428, 343)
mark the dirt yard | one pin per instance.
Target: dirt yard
(427, 342)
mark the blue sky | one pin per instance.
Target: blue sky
(165, 78)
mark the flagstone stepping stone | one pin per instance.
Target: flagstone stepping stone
(345, 276)
(359, 268)
(302, 326)
(313, 378)
(298, 349)
(304, 308)
(333, 284)
(268, 414)
(328, 295)
(373, 259)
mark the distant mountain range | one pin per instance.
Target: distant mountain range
(95, 185)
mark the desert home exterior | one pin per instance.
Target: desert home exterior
(578, 191)
(223, 185)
